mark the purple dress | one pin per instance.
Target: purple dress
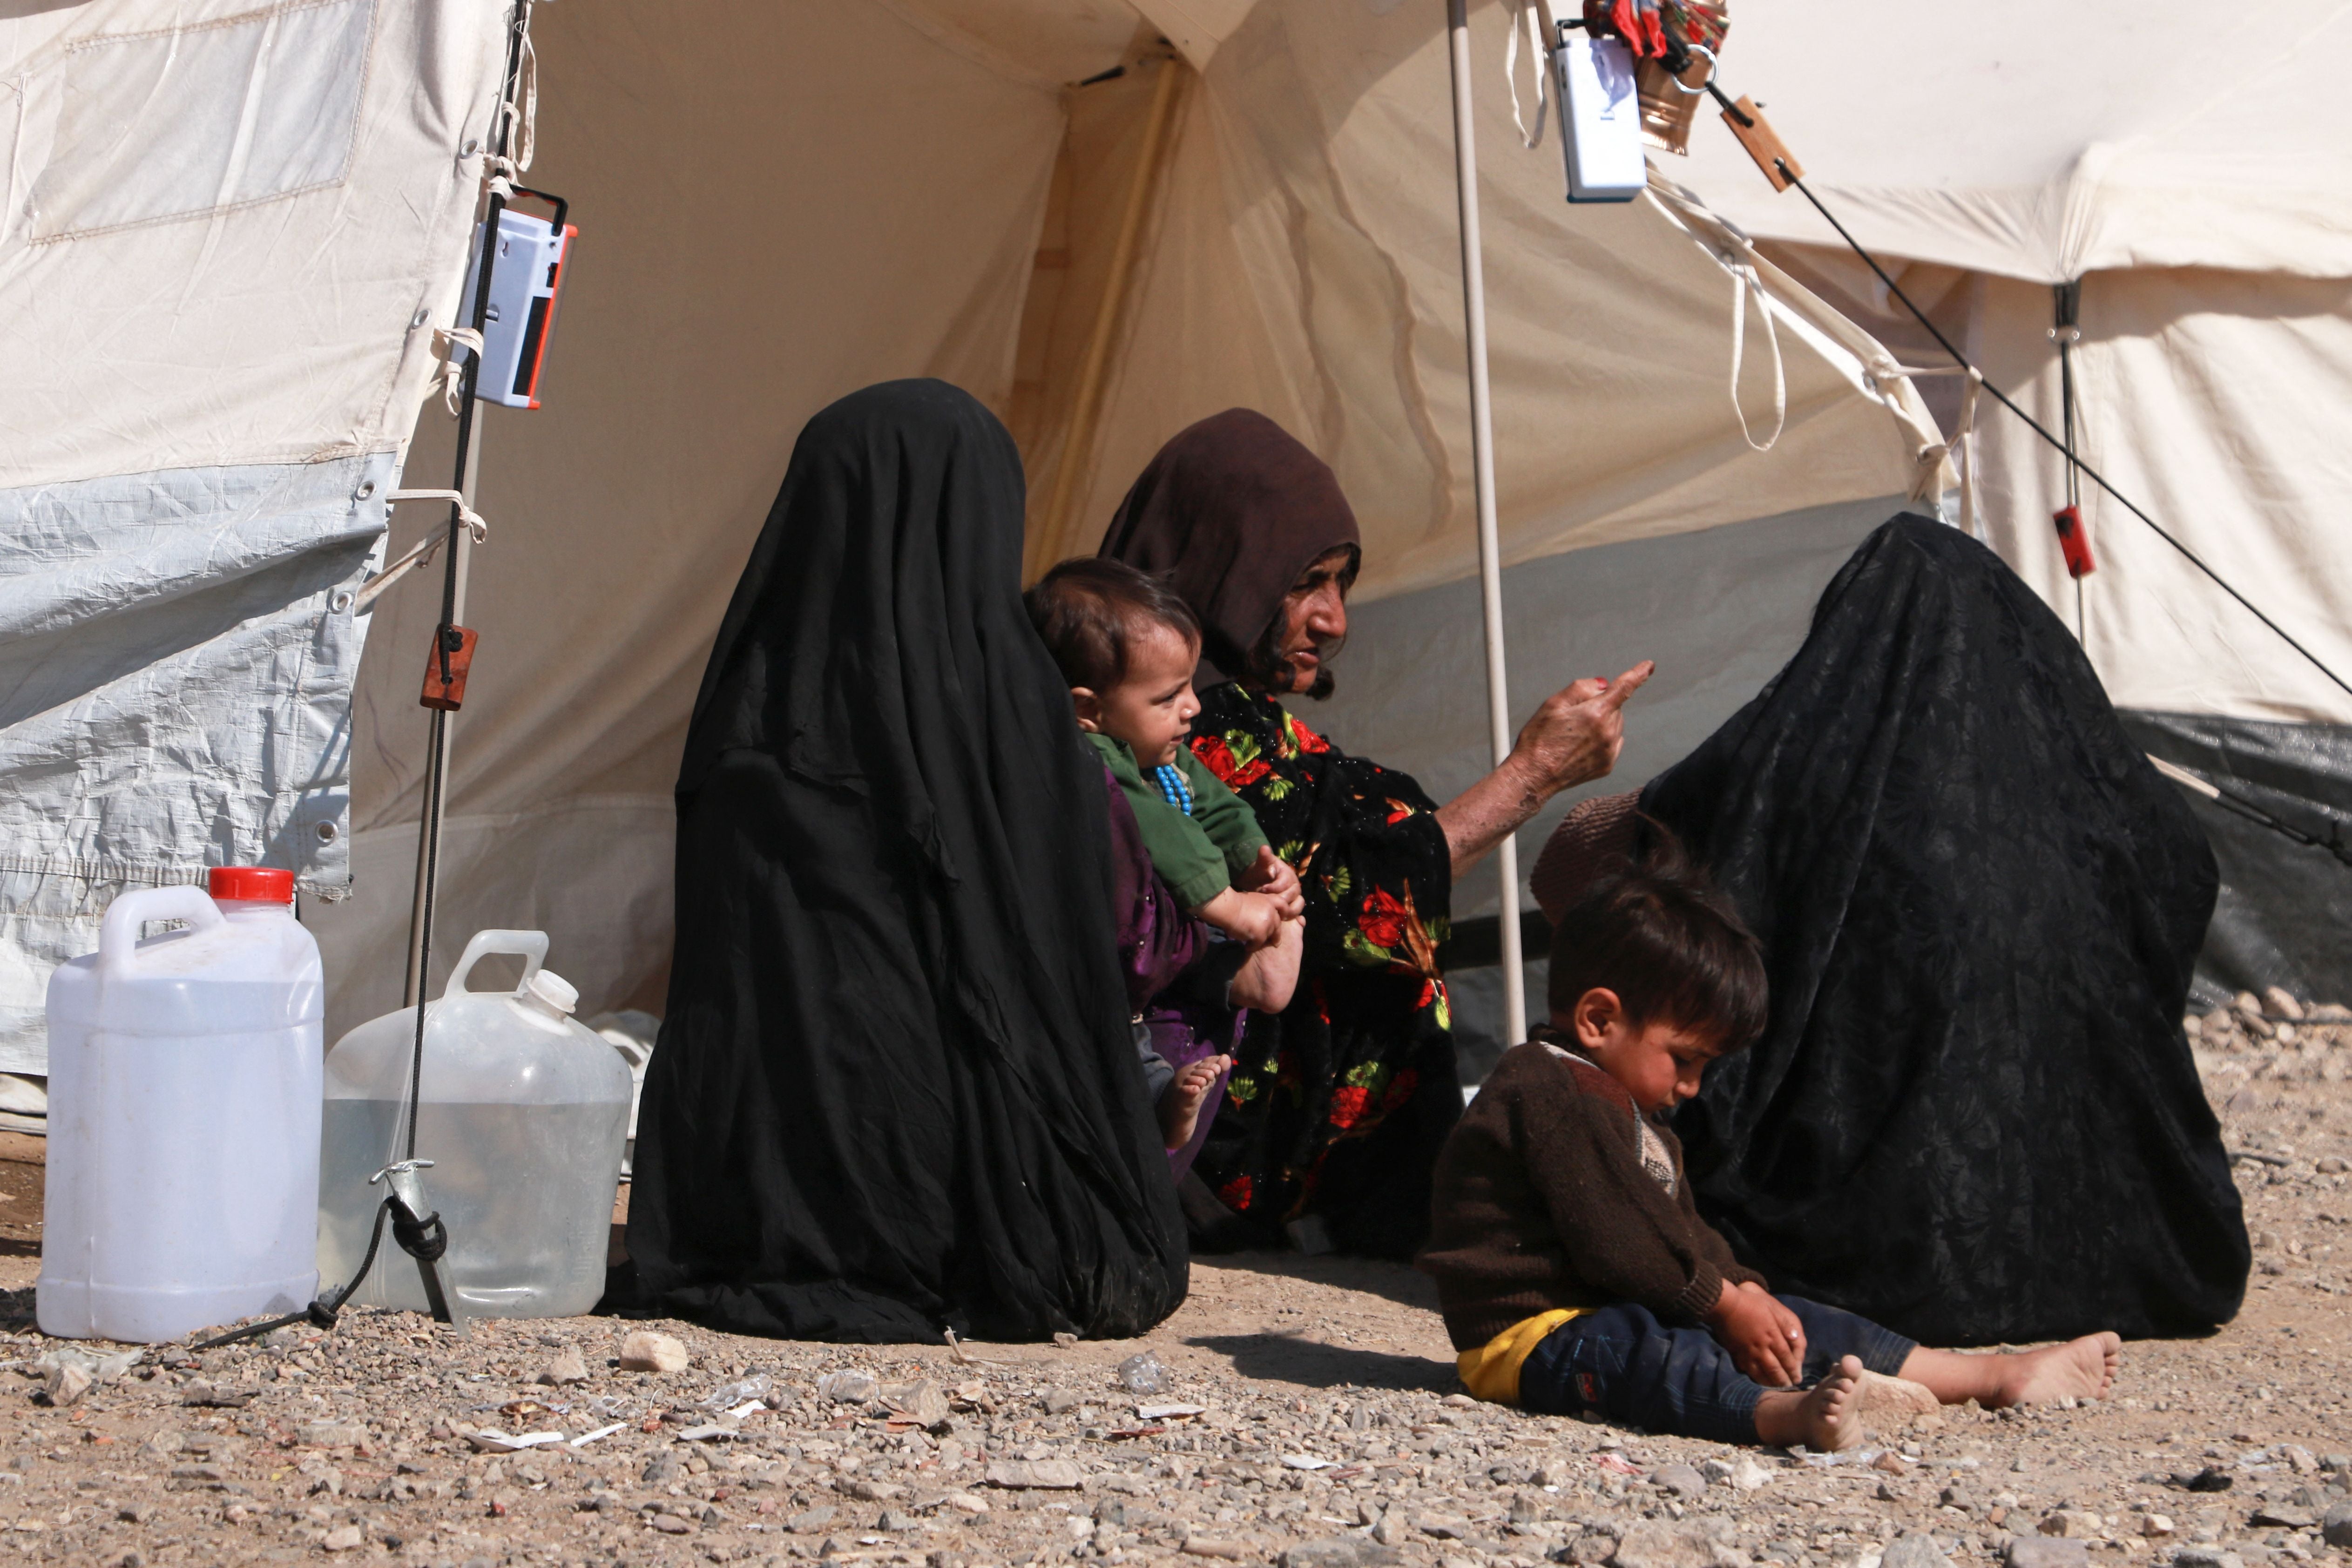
(1176, 975)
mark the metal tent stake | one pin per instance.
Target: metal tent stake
(1490, 550)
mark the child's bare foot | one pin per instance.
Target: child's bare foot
(1181, 1101)
(1826, 1418)
(2084, 1368)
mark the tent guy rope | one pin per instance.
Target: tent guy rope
(2072, 459)
(2239, 806)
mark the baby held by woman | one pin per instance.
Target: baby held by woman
(1127, 646)
(1572, 1266)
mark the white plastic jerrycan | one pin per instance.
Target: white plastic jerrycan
(523, 1112)
(183, 1115)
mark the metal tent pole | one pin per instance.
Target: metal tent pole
(437, 758)
(1490, 550)
(454, 567)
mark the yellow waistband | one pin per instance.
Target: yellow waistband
(1492, 1371)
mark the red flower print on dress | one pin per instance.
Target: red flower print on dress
(1383, 918)
(1349, 1104)
(1235, 1193)
(1401, 1090)
(1305, 739)
(1218, 757)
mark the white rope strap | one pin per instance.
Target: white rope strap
(447, 342)
(1746, 284)
(466, 514)
(1961, 449)
(499, 172)
(2183, 777)
(1536, 16)
(522, 109)
(1965, 439)
(420, 555)
(373, 589)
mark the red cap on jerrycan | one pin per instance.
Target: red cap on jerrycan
(252, 884)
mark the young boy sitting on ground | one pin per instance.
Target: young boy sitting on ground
(1573, 1270)
(1127, 646)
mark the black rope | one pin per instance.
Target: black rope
(2239, 806)
(2036, 426)
(432, 869)
(321, 1313)
(424, 1240)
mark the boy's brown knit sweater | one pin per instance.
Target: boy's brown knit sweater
(1542, 1200)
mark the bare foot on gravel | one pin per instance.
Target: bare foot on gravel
(2084, 1368)
(1826, 1418)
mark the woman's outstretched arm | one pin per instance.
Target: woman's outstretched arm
(1573, 739)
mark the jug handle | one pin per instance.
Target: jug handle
(530, 946)
(118, 938)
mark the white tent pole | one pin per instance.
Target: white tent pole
(1490, 549)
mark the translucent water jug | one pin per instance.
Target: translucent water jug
(523, 1112)
(183, 1115)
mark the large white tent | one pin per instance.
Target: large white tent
(2203, 202)
(778, 203)
(227, 235)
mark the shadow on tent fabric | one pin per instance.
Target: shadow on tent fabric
(1973, 1117)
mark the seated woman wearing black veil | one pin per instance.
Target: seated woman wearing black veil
(1973, 1115)
(896, 1091)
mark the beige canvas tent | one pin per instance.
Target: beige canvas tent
(780, 202)
(2199, 199)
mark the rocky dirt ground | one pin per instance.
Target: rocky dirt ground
(1303, 1414)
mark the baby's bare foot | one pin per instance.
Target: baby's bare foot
(1826, 1418)
(1180, 1113)
(2084, 1368)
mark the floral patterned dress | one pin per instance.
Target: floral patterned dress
(1336, 1107)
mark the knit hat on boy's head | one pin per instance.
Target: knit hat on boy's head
(1595, 837)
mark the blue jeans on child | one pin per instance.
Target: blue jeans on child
(1624, 1364)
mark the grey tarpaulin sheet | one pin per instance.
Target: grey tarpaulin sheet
(176, 654)
(1720, 609)
(2286, 913)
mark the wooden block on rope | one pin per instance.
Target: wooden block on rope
(1762, 143)
(447, 667)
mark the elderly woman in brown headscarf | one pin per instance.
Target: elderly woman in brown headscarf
(1336, 1107)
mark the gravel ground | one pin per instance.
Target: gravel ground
(1316, 1426)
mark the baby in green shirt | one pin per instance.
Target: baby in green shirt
(1127, 646)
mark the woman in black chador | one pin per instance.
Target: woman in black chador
(1973, 1115)
(1338, 1105)
(895, 1091)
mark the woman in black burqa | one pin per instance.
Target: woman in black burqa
(1974, 1117)
(896, 1091)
